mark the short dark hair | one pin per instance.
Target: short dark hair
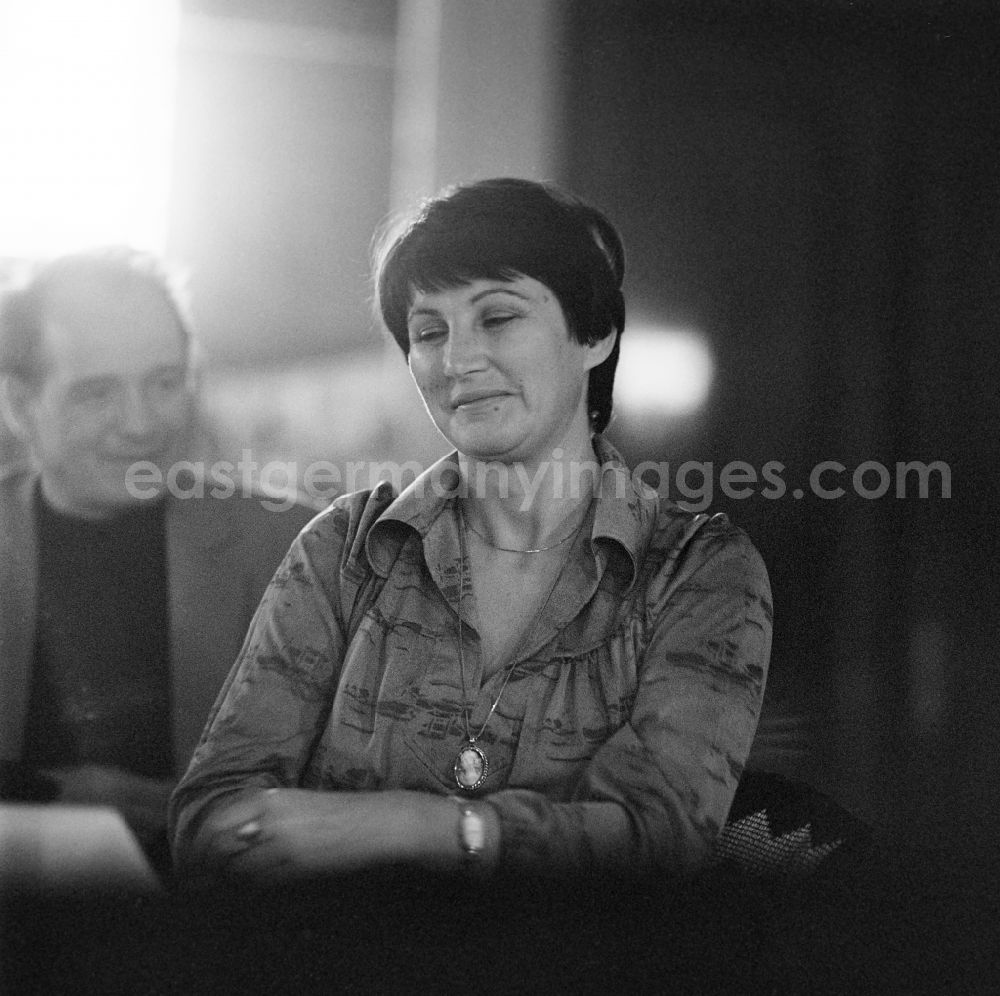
(117, 268)
(501, 229)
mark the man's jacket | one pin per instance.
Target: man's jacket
(221, 553)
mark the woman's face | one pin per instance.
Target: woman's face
(498, 370)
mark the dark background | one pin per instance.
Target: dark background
(817, 185)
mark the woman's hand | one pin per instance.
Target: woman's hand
(284, 834)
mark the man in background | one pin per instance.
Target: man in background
(122, 608)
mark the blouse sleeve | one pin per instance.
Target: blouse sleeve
(673, 767)
(275, 701)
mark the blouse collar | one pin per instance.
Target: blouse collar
(625, 513)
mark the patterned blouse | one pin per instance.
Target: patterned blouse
(639, 684)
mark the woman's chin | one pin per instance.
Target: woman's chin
(486, 453)
(483, 443)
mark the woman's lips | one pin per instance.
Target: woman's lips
(477, 398)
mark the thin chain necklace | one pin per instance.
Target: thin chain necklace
(514, 549)
(472, 765)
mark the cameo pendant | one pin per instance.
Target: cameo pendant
(471, 766)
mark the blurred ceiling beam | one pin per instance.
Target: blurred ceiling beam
(416, 97)
(479, 93)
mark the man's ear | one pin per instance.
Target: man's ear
(600, 349)
(15, 405)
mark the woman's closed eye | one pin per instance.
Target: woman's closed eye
(496, 320)
(435, 330)
(428, 332)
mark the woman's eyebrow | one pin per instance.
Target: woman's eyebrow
(422, 310)
(426, 309)
(498, 290)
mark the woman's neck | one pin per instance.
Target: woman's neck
(526, 506)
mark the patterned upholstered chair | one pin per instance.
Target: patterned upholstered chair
(781, 827)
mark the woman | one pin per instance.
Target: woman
(525, 661)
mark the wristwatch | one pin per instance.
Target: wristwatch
(471, 831)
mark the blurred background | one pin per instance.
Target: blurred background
(810, 199)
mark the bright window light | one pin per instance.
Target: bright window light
(86, 120)
(663, 371)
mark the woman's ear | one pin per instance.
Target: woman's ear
(598, 350)
(15, 406)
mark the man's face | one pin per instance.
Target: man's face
(117, 390)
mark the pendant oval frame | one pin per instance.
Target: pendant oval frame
(458, 768)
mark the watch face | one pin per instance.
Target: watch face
(473, 833)
(470, 768)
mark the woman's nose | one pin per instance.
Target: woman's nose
(463, 351)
